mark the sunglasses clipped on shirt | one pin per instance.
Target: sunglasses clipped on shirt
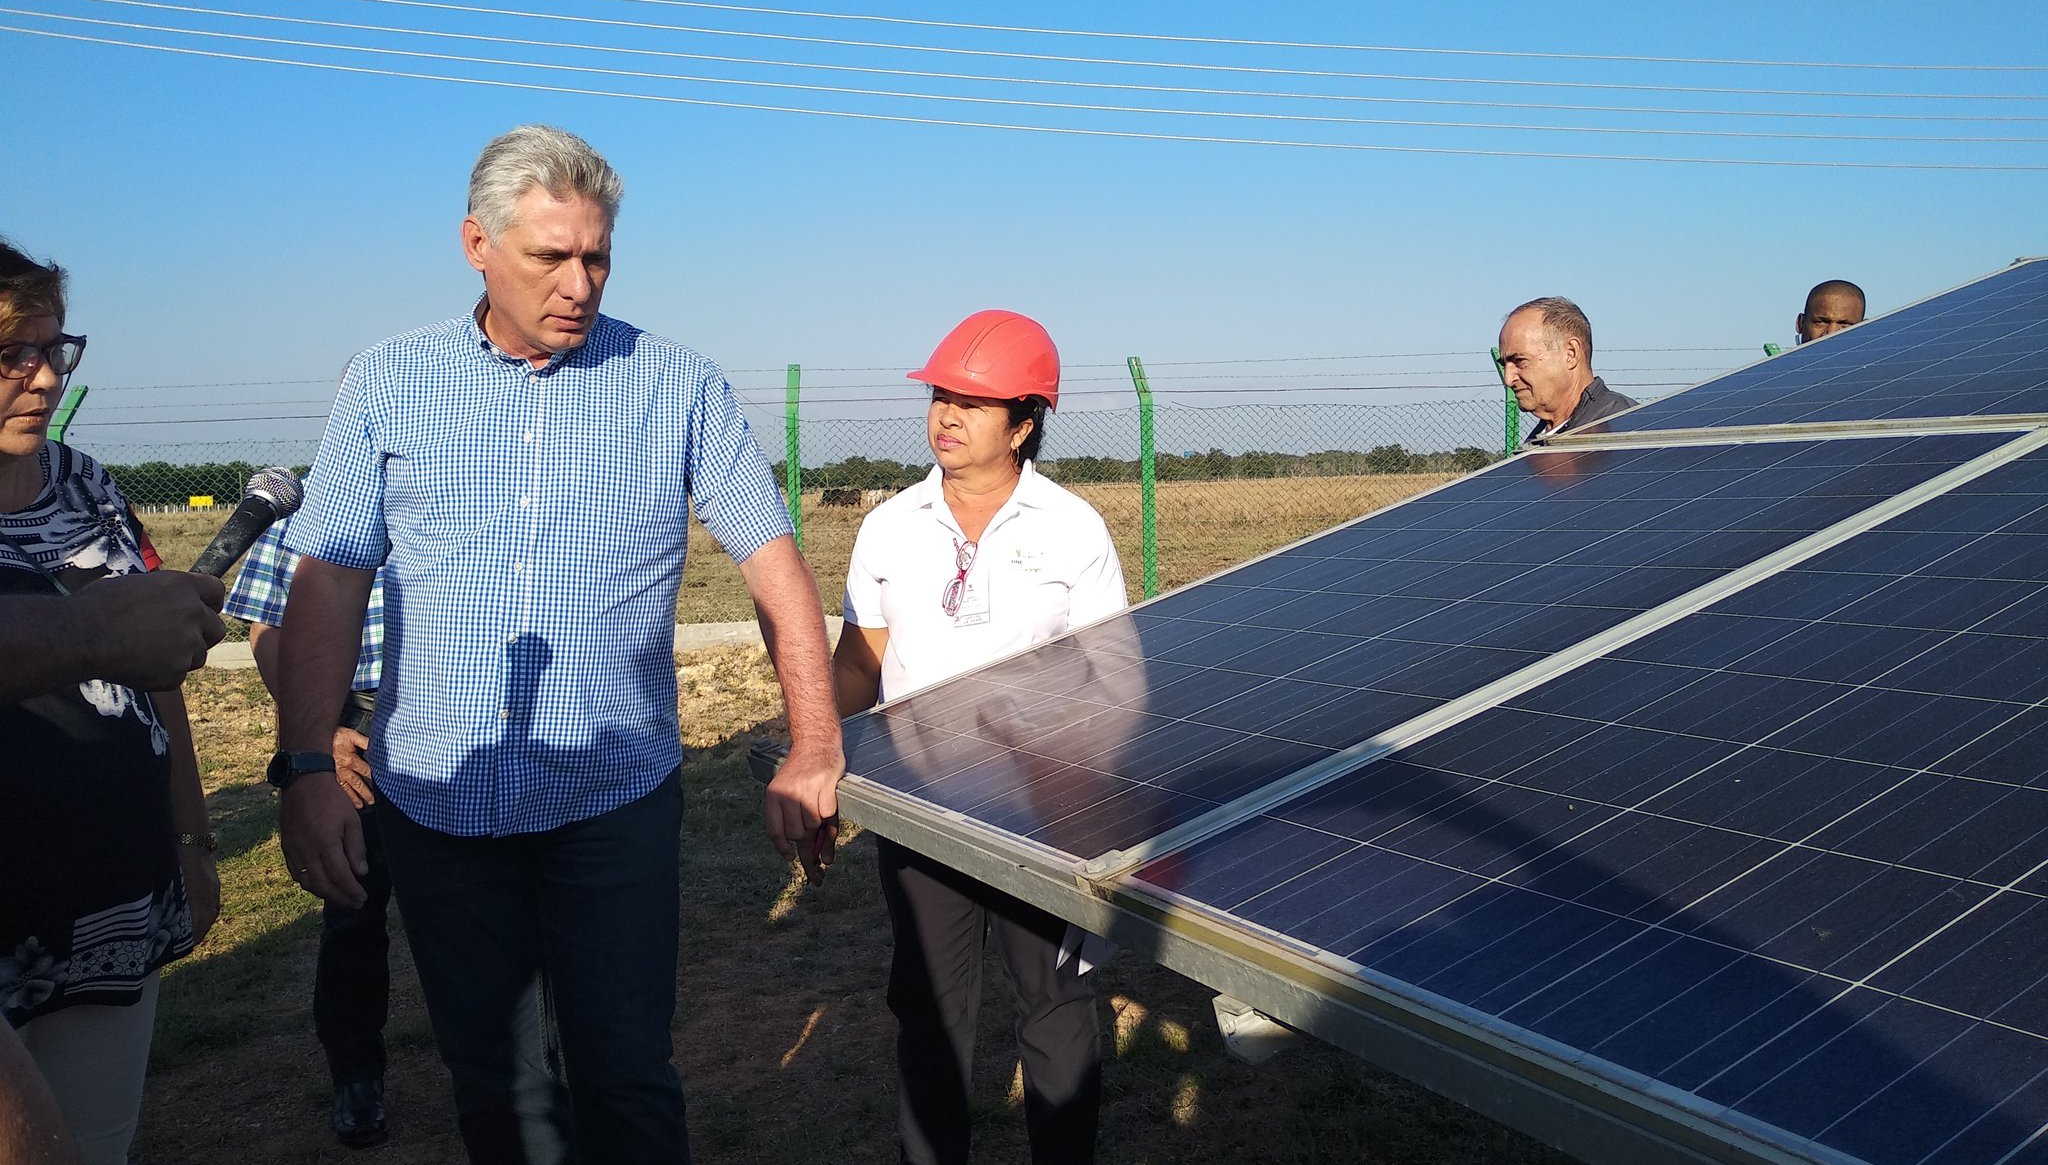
(956, 591)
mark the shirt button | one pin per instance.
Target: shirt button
(525, 502)
(504, 714)
(527, 436)
(517, 567)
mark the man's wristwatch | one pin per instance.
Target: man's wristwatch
(208, 842)
(287, 767)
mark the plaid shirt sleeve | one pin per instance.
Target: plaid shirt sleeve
(259, 591)
(731, 488)
(342, 521)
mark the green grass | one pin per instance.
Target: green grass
(782, 1034)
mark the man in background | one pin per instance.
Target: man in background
(1546, 358)
(352, 978)
(1830, 307)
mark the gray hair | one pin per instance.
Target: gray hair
(1562, 317)
(553, 159)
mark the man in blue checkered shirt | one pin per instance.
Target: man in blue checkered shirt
(524, 475)
(352, 977)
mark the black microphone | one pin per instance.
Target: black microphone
(272, 495)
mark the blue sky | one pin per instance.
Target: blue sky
(228, 221)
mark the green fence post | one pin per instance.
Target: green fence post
(1147, 487)
(1772, 349)
(793, 465)
(60, 420)
(1511, 436)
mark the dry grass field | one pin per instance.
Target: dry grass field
(782, 1034)
(1204, 526)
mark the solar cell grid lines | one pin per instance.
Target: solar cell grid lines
(1144, 722)
(1788, 855)
(1688, 787)
(1975, 351)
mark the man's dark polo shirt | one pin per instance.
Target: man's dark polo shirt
(1597, 403)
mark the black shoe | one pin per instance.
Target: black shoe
(358, 1119)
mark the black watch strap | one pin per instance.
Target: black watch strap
(287, 767)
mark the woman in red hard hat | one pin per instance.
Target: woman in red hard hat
(981, 559)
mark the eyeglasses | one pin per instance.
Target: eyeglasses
(963, 561)
(21, 359)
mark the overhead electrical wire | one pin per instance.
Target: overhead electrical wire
(767, 402)
(1071, 131)
(87, 421)
(1263, 70)
(1195, 90)
(1020, 102)
(1361, 48)
(900, 367)
(210, 384)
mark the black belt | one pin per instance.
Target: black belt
(360, 710)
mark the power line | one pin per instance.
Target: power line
(208, 404)
(1491, 387)
(197, 420)
(1363, 48)
(1747, 348)
(1018, 102)
(1195, 90)
(211, 384)
(1071, 131)
(1263, 70)
(1270, 378)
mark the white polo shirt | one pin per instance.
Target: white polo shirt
(1045, 565)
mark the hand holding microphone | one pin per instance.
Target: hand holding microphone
(148, 630)
(271, 496)
(145, 631)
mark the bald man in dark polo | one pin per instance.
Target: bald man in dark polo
(1546, 359)
(1830, 307)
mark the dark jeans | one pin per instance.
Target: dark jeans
(939, 918)
(571, 932)
(352, 981)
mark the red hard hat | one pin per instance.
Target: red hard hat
(997, 354)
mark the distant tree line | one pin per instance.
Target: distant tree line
(161, 483)
(1215, 465)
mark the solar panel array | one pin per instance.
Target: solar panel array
(1142, 723)
(1721, 766)
(1971, 352)
(1789, 854)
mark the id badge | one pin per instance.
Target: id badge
(973, 610)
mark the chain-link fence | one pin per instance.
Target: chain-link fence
(1230, 482)
(1245, 455)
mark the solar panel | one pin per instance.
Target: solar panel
(1976, 351)
(1674, 792)
(1783, 862)
(1144, 722)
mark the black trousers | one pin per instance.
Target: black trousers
(352, 980)
(940, 918)
(567, 934)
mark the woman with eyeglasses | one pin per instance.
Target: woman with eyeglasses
(981, 559)
(106, 862)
